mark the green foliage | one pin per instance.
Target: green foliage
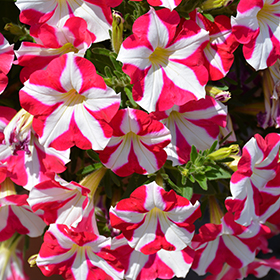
(194, 176)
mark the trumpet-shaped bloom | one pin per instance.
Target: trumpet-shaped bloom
(63, 203)
(153, 219)
(16, 215)
(137, 144)
(258, 267)
(23, 158)
(71, 104)
(139, 266)
(256, 168)
(77, 255)
(218, 53)
(51, 43)
(194, 123)
(257, 26)
(6, 61)
(170, 4)
(227, 242)
(97, 14)
(164, 60)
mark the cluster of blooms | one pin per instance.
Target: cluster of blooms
(168, 112)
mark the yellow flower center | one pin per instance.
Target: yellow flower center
(73, 97)
(160, 56)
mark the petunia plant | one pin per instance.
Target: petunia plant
(139, 139)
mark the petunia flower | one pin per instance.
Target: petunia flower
(77, 255)
(97, 14)
(218, 53)
(51, 43)
(136, 145)
(164, 60)
(256, 168)
(23, 159)
(153, 219)
(194, 123)
(227, 242)
(16, 215)
(161, 264)
(6, 61)
(71, 104)
(66, 203)
(256, 26)
(170, 4)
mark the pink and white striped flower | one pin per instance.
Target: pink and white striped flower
(77, 255)
(97, 14)
(62, 203)
(256, 168)
(194, 123)
(6, 61)
(16, 215)
(52, 42)
(137, 144)
(164, 60)
(170, 4)
(256, 25)
(153, 219)
(227, 242)
(218, 53)
(23, 158)
(161, 264)
(258, 268)
(71, 104)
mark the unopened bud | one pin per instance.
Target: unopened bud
(117, 31)
(214, 4)
(20, 31)
(218, 94)
(224, 152)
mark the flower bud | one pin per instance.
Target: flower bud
(214, 4)
(117, 31)
(224, 152)
(218, 94)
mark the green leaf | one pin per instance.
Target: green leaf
(89, 168)
(209, 16)
(130, 98)
(93, 155)
(108, 72)
(115, 178)
(187, 192)
(218, 173)
(213, 147)
(193, 154)
(201, 180)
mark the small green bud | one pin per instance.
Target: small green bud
(117, 31)
(214, 4)
(224, 152)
